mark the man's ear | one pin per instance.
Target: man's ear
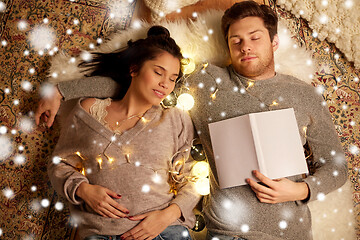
(275, 42)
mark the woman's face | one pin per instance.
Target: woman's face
(156, 78)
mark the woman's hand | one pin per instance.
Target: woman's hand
(152, 223)
(279, 190)
(100, 200)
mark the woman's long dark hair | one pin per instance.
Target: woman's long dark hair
(117, 65)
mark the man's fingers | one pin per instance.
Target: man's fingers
(267, 181)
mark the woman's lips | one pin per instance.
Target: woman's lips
(159, 93)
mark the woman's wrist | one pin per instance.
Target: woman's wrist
(173, 212)
(79, 191)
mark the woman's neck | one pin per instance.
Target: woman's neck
(129, 106)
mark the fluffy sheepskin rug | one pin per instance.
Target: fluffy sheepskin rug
(202, 41)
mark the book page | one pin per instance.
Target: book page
(234, 151)
(280, 143)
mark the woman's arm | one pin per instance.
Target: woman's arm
(96, 86)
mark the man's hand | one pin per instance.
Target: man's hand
(279, 190)
(48, 108)
(100, 200)
(152, 223)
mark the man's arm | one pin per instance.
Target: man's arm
(96, 86)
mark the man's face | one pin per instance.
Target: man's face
(251, 50)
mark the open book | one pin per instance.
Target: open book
(266, 141)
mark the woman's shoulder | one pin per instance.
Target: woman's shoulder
(87, 103)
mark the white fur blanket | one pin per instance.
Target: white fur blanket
(203, 42)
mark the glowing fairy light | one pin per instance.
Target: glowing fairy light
(323, 19)
(156, 178)
(274, 103)
(200, 169)
(26, 52)
(99, 40)
(45, 20)
(3, 43)
(32, 70)
(185, 101)
(189, 66)
(324, 3)
(136, 24)
(69, 32)
(33, 188)
(315, 34)
(76, 21)
(213, 95)
(250, 84)
(202, 186)
(144, 120)
(99, 161)
(16, 102)
(210, 31)
(194, 15)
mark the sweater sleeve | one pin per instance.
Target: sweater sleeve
(187, 197)
(327, 150)
(96, 86)
(64, 165)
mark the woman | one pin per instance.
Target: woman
(116, 155)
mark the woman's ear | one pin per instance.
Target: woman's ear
(133, 71)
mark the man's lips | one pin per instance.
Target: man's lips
(248, 58)
(159, 93)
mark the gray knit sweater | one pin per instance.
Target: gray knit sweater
(139, 172)
(236, 211)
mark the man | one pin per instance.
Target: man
(271, 209)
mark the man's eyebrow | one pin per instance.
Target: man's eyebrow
(252, 32)
(165, 69)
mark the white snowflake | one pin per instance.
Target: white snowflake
(321, 197)
(22, 25)
(56, 160)
(19, 159)
(86, 56)
(245, 228)
(2, 6)
(26, 85)
(145, 188)
(33, 188)
(8, 193)
(27, 124)
(45, 203)
(42, 37)
(59, 206)
(283, 224)
(47, 90)
(6, 147)
(3, 130)
(354, 149)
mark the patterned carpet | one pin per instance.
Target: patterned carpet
(27, 200)
(30, 208)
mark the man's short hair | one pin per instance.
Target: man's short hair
(245, 9)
